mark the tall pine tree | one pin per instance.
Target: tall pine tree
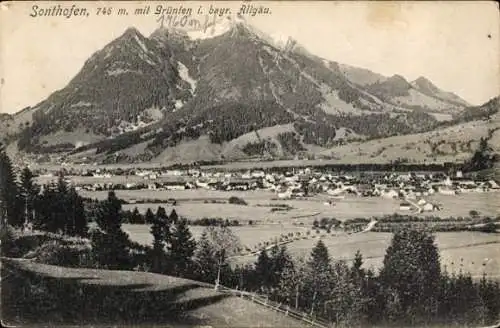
(28, 193)
(412, 274)
(182, 246)
(263, 271)
(111, 244)
(149, 217)
(318, 281)
(205, 260)
(160, 230)
(76, 225)
(10, 206)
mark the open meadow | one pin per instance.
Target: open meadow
(486, 203)
(249, 236)
(472, 252)
(197, 203)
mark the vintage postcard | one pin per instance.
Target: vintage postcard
(250, 163)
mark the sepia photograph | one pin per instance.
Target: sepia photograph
(248, 163)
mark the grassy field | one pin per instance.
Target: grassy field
(249, 236)
(472, 247)
(191, 205)
(472, 252)
(486, 203)
(63, 296)
(195, 194)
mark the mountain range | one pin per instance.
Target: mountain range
(233, 93)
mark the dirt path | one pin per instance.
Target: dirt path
(419, 209)
(368, 228)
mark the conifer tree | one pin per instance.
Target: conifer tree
(357, 272)
(483, 157)
(111, 244)
(182, 247)
(205, 266)
(149, 217)
(77, 223)
(280, 260)
(136, 217)
(10, 206)
(291, 285)
(49, 208)
(166, 223)
(318, 281)
(28, 193)
(263, 270)
(346, 303)
(160, 230)
(60, 211)
(411, 273)
(173, 216)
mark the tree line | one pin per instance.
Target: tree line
(409, 289)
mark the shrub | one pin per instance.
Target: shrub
(8, 241)
(473, 213)
(64, 254)
(237, 201)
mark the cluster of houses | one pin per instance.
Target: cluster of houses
(296, 183)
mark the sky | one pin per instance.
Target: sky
(454, 44)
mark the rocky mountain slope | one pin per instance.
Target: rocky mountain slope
(452, 142)
(140, 96)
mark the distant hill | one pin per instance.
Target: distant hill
(13, 124)
(454, 143)
(483, 111)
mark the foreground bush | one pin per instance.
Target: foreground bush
(63, 254)
(237, 201)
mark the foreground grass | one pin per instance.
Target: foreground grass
(37, 294)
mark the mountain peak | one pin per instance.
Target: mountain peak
(428, 88)
(131, 32)
(424, 83)
(398, 78)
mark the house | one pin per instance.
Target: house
(335, 192)
(285, 195)
(130, 185)
(258, 174)
(202, 184)
(240, 184)
(175, 186)
(174, 183)
(447, 191)
(390, 194)
(429, 207)
(492, 184)
(404, 206)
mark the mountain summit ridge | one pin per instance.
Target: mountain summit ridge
(171, 86)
